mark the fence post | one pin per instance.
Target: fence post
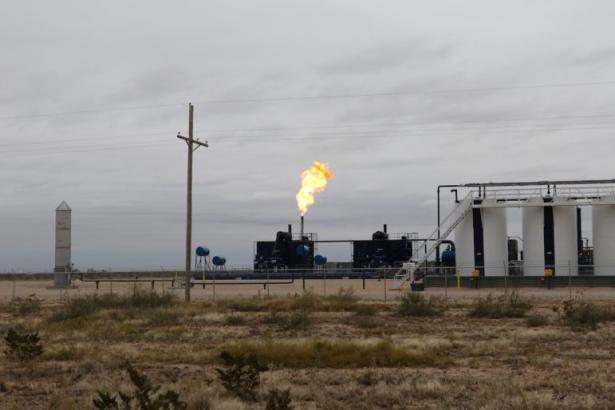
(505, 279)
(324, 281)
(385, 287)
(445, 283)
(570, 279)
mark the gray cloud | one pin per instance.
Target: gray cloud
(123, 171)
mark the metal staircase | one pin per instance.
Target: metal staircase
(447, 225)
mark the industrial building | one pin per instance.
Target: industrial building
(552, 242)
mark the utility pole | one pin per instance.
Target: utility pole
(191, 142)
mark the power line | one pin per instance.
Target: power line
(92, 111)
(403, 93)
(307, 138)
(393, 124)
(310, 97)
(364, 127)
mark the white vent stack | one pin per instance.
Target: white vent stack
(603, 222)
(62, 268)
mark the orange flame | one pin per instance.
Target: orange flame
(313, 180)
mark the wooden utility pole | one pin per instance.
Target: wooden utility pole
(191, 142)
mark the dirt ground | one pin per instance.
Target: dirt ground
(346, 350)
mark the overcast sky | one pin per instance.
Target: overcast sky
(396, 96)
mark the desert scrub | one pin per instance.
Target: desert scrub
(508, 305)
(337, 354)
(88, 305)
(242, 305)
(536, 321)
(145, 396)
(22, 346)
(343, 301)
(276, 399)
(241, 377)
(365, 309)
(234, 320)
(26, 306)
(293, 321)
(415, 304)
(583, 316)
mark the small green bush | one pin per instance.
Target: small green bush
(88, 305)
(308, 301)
(146, 396)
(415, 304)
(337, 354)
(243, 305)
(242, 375)
(365, 309)
(22, 346)
(368, 378)
(293, 321)
(582, 316)
(510, 305)
(278, 400)
(343, 301)
(298, 320)
(235, 320)
(27, 306)
(535, 321)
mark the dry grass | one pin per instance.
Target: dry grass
(334, 352)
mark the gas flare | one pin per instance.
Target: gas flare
(313, 180)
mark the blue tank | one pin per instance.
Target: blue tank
(218, 260)
(448, 257)
(202, 251)
(303, 250)
(320, 260)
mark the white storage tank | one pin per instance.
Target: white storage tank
(495, 239)
(565, 237)
(533, 238)
(464, 245)
(603, 224)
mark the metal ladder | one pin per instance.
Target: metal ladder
(447, 225)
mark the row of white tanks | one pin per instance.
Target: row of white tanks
(565, 238)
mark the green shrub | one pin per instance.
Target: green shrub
(22, 346)
(235, 320)
(298, 320)
(415, 304)
(337, 354)
(145, 396)
(243, 305)
(343, 301)
(308, 301)
(582, 316)
(27, 306)
(88, 305)
(293, 321)
(242, 375)
(510, 305)
(365, 322)
(278, 400)
(368, 378)
(536, 321)
(365, 309)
